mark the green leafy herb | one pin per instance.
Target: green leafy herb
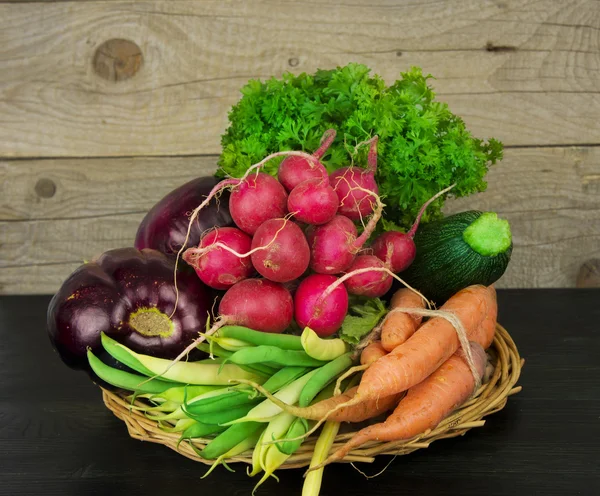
(363, 315)
(423, 147)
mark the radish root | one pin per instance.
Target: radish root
(351, 371)
(356, 272)
(196, 253)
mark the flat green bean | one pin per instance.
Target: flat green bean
(229, 438)
(181, 372)
(260, 354)
(258, 338)
(126, 380)
(323, 376)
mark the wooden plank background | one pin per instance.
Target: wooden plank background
(83, 157)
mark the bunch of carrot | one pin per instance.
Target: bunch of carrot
(424, 365)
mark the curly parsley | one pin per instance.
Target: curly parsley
(423, 147)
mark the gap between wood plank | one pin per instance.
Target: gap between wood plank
(200, 155)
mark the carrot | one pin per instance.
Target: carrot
(413, 361)
(372, 352)
(353, 413)
(484, 335)
(425, 405)
(424, 352)
(399, 326)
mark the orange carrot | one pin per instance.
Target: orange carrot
(485, 333)
(413, 361)
(353, 413)
(399, 326)
(424, 352)
(425, 405)
(372, 352)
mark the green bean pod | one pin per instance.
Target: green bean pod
(246, 444)
(259, 338)
(180, 426)
(260, 354)
(178, 394)
(229, 438)
(199, 430)
(323, 377)
(298, 428)
(219, 403)
(181, 372)
(229, 344)
(322, 349)
(216, 350)
(244, 395)
(176, 414)
(126, 380)
(223, 416)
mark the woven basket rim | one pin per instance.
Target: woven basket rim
(491, 397)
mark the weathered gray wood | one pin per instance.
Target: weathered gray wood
(551, 196)
(524, 72)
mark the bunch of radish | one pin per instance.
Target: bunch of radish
(295, 252)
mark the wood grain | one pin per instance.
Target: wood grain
(551, 196)
(527, 72)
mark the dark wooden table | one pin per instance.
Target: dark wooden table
(56, 437)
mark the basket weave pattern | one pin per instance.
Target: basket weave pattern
(490, 398)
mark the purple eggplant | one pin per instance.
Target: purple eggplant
(129, 295)
(165, 225)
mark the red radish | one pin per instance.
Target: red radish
(313, 201)
(294, 170)
(216, 265)
(280, 251)
(272, 191)
(333, 246)
(322, 315)
(372, 284)
(352, 185)
(256, 199)
(330, 245)
(259, 304)
(255, 303)
(398, 249)
(253, 207)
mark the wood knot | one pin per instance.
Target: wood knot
(117, 59)
(293, 62)
(589, 274)
(45, 188)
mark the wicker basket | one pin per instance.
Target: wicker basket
(490, 398)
